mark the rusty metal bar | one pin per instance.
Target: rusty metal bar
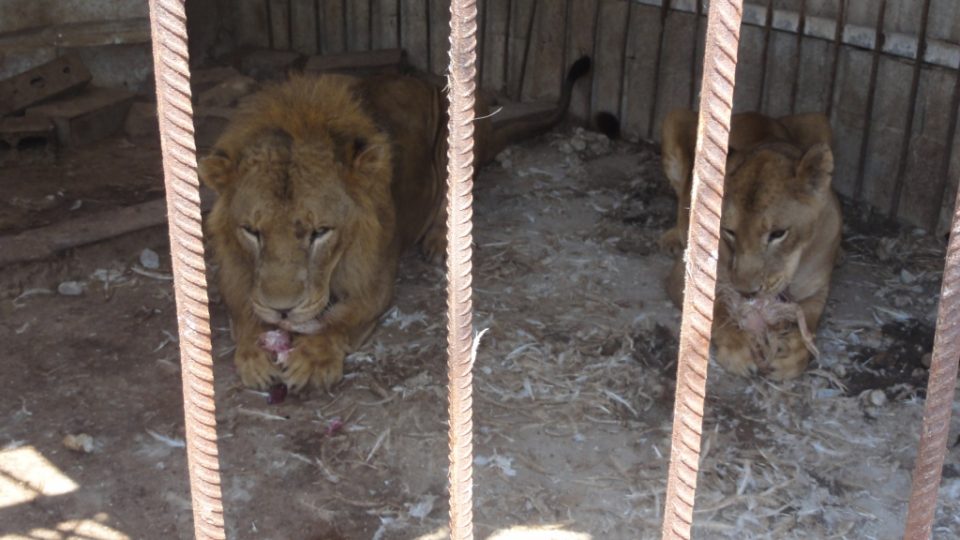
(399, 24)
(426, 16)
(911, 111)
(462, 97)
(798, 57)
(716, 106)
(837, 44)
(171, 61)
(526, 50)
(871, 98)
(507, 31)
(658, 61)
(623, 87)
(940, 390)
(693, 55)
(764, 56)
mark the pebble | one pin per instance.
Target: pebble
(79, 443)
(578, 144)
(906, 277)
(70, 288)
(149, 259)
(878, 397)
(926, 360)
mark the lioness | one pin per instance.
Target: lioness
(322, 182)
(780, 230)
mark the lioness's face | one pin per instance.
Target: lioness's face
(291, 213)
(772, 203)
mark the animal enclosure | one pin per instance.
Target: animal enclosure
(574, 380)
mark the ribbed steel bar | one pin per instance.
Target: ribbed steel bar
(462, 96)
(940, 389)
(716, 104)
(171, 62)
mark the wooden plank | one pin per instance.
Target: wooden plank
(581, 30)
(440, 36)
(43, 242)
(359, 62)
(674, 83)
(945, 21)
(816, 61)
(252, 28)
(929, 147)
(332, 37)
(386, 20)
(413, 32)
(781, 70)
(849, 117)
(545, 63)
(303, 23)
(280, 24)
(887, 132)
(949, 199)
(358, 25)
(749, 70)
(495, 45)
(608, 63)
(640, 67)
(518, 42)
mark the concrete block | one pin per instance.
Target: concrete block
(87, 117)
(142, 120)
(359, 63)
(228, 92)
(41, 83)
(264, 64)
(19, 130)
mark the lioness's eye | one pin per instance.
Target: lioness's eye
(777, 234)
(729, 233)
(251, 231)
(319, 233)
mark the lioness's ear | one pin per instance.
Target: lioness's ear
(217, 170)
(679, 143)
(816, 167)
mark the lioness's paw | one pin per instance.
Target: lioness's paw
(671, 242)
(738, 360)
(255, 367)
(312, 362)
(792, 361)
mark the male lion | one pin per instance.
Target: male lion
(780, 230)
(322, 182)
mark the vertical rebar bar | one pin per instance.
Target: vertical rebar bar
(462, 96)
(837, 45)
(716, 106)
(940, 390)
(171, 61)
(871, 98)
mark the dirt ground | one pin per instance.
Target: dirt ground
(573, 382)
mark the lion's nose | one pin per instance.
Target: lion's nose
(283, 313)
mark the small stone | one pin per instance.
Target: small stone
(81, 442)
(578, 144)
(926, 360)
(878, 398)
(840, 370)
(566, 148)
(71, 288)
(907, 278)
(149, 259)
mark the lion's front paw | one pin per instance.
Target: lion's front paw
(737, 358)
(255, 367)
(792, 360)
(313, 362)
(671, 242)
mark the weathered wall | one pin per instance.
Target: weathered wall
(895, 119)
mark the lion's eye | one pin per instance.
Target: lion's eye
(729, 234)
(777, 234)
(250, 231)
(319, 233)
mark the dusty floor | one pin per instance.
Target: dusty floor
(573, 382)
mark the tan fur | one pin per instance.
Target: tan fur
(322, 183)
(778, 179)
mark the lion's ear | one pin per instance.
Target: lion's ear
(367, 157)
(217, 170)
(679, 141)
(816, 167)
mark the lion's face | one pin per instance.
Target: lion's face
(773, 199)
(287, 208)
